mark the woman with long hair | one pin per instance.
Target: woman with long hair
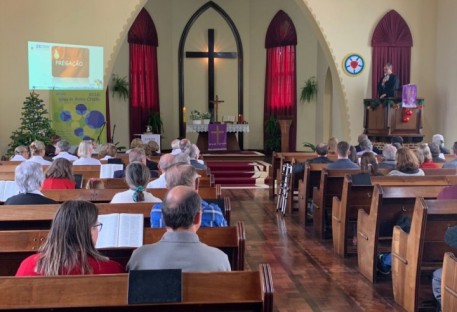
(407, 163)
(85, 151)
(70, 246)
(137, 176)
(59, 175)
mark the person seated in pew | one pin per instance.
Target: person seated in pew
(397, 141)
(343, 161)
(69, 248)
(29, 179)
(37, 150)
(366, 146)
(175, 149)
(50, 149)
(322, 151)
(136, 142)
(166, 160)
(137, 154)
(21, 153)
(152, 149)
(184, 145)
(353, 155)
(437, 156)
(439, 139)
(184, 174)
(180, 247)
(194, 154)
(452, 163)
(425, 157)
(137, 176)
(62, 151)
(369, 168)
(389, 153)
(407, 164)
(107, 151)
(59, 175)
(450, 238)
(332, 146)
(361, 138)
(85, 151)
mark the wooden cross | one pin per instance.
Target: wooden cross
(211, 55)
(216, 108)
(217, 132)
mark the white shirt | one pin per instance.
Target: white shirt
(18, 158)
(158, 183)
(66, 155)
(127, 197)
(87, 161)
(106, 157)
(40, 160)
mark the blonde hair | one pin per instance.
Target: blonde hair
(332, 145)
(136, 143)
(151, 148)
(85, 149)
(107, 149)
(137, 176)
(37, 148)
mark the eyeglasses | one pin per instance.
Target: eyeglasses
(99, 226)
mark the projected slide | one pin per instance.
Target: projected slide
(56, 66)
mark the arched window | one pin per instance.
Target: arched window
(280, 79)
(144, 80)
(391, 42)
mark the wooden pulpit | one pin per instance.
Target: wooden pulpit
(386, 118)
(284, 125)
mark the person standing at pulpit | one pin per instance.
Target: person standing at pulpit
(389, 83)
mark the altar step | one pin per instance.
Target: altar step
(239, 174)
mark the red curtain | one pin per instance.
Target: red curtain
(144, 80)
(280, 79)
(391, 42)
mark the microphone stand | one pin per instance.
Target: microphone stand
(101, 130)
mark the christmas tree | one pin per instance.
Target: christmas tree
(35, 124)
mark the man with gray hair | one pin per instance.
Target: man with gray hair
(194, 154)
(180, 247)
(29, 177)
(184, 174)
(439, 139)
(435, 150)
(361, 138)
(388, 153)
(62, 148)
(165, 162)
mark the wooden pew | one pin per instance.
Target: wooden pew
(355, 197)
(374, 229)
(311, 179)
(420, 252)
(87, 172)
(331, 184)
(40, 216)
(449, 283)
(105, 195)
(440, 171)
(15, 245)
(236, 291)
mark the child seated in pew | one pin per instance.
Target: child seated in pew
(137, 176)
(69, 248)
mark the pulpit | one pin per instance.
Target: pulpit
(384, 119)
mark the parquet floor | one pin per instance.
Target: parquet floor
(307, 276)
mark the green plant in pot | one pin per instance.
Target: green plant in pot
(155, 123)
(196, 116)
(273, 135)
(206, 117)
(120, 86)
(309, 90)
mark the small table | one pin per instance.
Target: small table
(232, 142)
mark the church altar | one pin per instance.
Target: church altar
(232, 129)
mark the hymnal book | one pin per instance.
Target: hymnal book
(121, 230)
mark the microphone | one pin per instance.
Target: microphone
(100, 133)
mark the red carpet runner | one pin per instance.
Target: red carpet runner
(238, 174)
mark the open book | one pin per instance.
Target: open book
(121, 230)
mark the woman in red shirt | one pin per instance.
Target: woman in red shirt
(70, 246)
(425, 157)
(59, 175)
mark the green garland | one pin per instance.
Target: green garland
(374, 103)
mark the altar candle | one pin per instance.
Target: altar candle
(184, 114)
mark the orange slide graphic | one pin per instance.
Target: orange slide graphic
(70, 62)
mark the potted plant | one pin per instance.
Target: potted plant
(120, 87)
(155, 124)
(309, 90)
(273, 135)
(206, 117)
(196, 117)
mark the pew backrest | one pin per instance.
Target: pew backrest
(246, 290)
(449, 283)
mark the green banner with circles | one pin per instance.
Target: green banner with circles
(78, 115)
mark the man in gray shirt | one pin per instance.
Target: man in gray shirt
(180, 247)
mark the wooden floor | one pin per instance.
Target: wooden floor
(307, 275)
